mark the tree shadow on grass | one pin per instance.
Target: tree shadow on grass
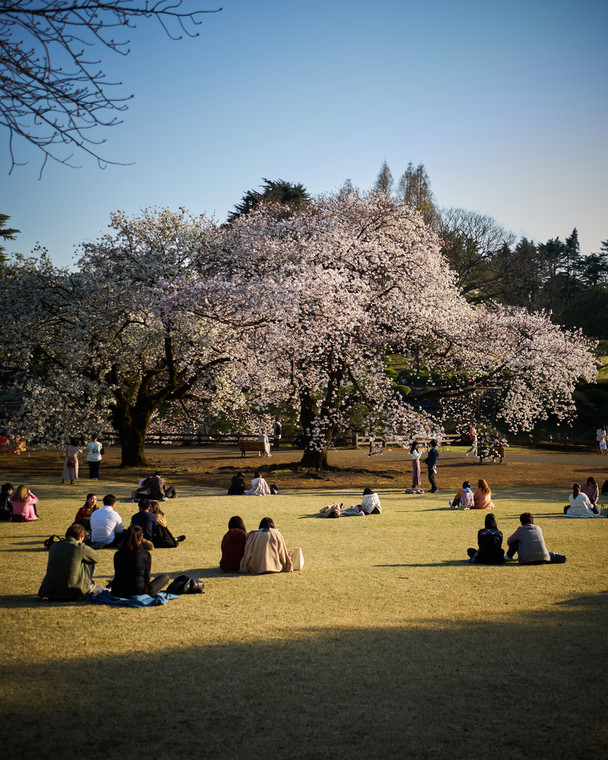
(447, 563)
(437, 690)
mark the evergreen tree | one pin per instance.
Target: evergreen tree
(384, 181)
(6, 233)
(414, 188)
(274, 191)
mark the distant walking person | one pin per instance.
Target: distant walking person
(473, 440)
(94, 454)
(277, 433)
(431, 463)
(600, 437)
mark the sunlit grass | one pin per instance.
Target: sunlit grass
(387, 644)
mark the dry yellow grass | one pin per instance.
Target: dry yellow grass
(388, 644)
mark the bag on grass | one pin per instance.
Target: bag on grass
(297, 558)
(184, 584)
(162, 538)
(54, 539)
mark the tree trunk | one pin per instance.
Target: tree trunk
(131, 424)
(314, 459)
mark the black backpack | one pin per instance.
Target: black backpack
(184, 584)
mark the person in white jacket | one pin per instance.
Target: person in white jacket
(579, 505)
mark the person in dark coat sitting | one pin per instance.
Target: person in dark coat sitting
(237, 485)
(489, 539)
(132, 566)
(146, 519)
(233, 545)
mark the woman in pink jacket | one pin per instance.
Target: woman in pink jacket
(24, 503)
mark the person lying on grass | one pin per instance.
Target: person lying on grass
(529, 543)
(69, 570)
(489, 540)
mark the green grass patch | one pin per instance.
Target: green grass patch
(388, 644)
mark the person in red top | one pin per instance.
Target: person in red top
(233, 545)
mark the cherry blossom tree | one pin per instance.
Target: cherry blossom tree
(99, 345)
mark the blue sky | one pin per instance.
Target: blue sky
(504, 103)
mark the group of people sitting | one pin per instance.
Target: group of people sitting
(466, 499)
(259, 486)
(527, 542)
(259, 551)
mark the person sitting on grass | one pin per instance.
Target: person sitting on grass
(132, 566)
(237, 485)
(259, 487)
(69, 570)
(463, 498)
(106, 525)
(233, 545)
(23, 503)
(529, 543)
(370, 505)
(579, 505)
(592, 492)
(482, 498)
(489, 540)
(83, 516)
(6, 510)
(265, 551)
(163, 538)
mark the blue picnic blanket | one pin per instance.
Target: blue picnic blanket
(139, 600)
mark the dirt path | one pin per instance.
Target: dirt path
(392, 469)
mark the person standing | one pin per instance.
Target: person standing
(473, 440)
(277, 433)
(415, 454)
(70, 464)
(94, 454)
(431, 463)
(600, 437)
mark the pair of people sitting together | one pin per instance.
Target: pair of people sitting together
(154, 487)
(71, 563)
(582, 502)
(259, 551)
(466, 499)
(259, 486)
(527, 542)
(370, 505)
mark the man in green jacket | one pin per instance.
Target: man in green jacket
(70, 567)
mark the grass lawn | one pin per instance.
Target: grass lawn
(387, 644)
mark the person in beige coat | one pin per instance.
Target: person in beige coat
(265, 551)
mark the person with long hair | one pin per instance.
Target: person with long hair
(259, 486)
(579, 504)
(237, 485)
(592, 492)
(70, 464)
(482, 498)
(265, 551)
(415, 453)
(489, 541)
(23, 503)
(132, 566)
(163, 538)
(233, 545)
(83, 516)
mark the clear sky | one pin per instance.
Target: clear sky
(505, 103)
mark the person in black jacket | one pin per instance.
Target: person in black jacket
(237, 485)
(431, 463)
(132, 565)
(489, 539)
